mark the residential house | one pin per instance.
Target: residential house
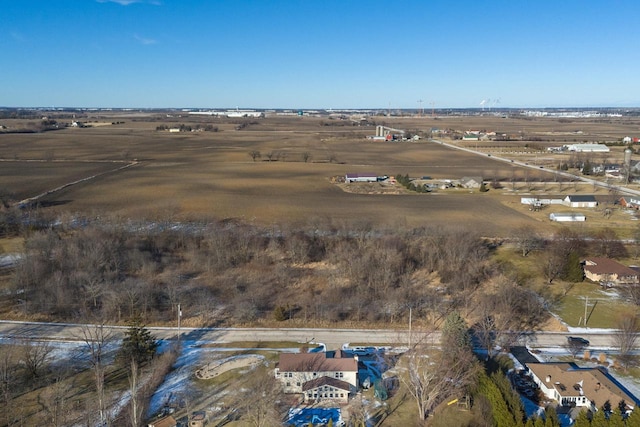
(163, 422)
(570, 385)
(326, 388)
(629, 202)
(608, 271)
(581, 201)
(471, 182)
(300, 372)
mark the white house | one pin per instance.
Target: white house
(317, 376)
(583, 387)
(581, 201)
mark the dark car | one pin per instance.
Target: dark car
(578, 341)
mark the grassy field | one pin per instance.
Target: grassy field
(211, 175)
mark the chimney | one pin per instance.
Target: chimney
(548, 379)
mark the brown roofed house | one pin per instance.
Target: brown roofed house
(295, 370)
(609, 271)
(573, 386)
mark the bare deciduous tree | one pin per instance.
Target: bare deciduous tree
(254, 154)
(96, 339)
(35, 356)
(260, 402)
(626, 337)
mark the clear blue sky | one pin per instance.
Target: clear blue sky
(319, 53)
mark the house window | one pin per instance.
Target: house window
(315, 374)
(315, 395)
(298, 384)
(336, 375)
(330, 394)
(341, 375)
(288, 384)
(309, 395)
(341, 394)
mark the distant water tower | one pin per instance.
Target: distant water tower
(627, 163)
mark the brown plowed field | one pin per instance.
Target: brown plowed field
(211, 175)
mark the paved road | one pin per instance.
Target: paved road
(333, 338)
(618, 188)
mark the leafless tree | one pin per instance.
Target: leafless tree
(626, 337)
(254, 154)
(135, 410)
(55, 401)
(429, 380)
(96, 339)
(574, 347)
(306, 156)
(35, 356)
(527, 240)
(259, 404)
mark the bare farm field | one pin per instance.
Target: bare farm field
(211, 174)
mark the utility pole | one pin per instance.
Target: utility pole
(179, 316)
(409, 328)
(586, 303)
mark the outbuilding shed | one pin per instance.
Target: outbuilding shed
(361, 177)
(567, 217)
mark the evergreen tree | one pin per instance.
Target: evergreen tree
(572, 271)
(582, 420)
(539, 422)
(551, 417)
(138, 344)
(599, 420)
(529, 423)
(633, 420)
(615, 420)
(455, 333)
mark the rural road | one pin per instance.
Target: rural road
(571, 176)
(333, 338)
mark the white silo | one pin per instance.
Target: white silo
(627, 163)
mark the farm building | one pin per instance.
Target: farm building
(360, 177)
(581, 201)
(588, 148)
(543, 202)
(609, 271)
(567, 217)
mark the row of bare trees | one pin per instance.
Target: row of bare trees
(245, 273)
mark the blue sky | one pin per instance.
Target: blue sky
(319, 54)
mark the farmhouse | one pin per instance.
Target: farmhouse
(609, 271)
(581, 201)
(471, 182)
(567, 217)
(361, 177)
(629, 202)
(570, 385)
(317, 376)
